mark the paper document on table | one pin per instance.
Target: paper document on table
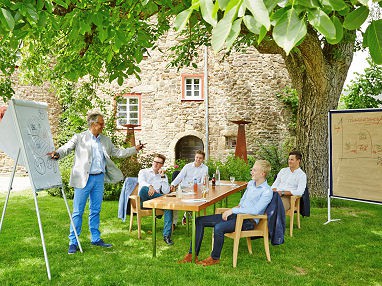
(188, 193)
(194, 200)
(226, 184)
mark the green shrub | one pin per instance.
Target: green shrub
(232, 166)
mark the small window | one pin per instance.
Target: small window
(230, 142)
(128, 109)
(192, 87)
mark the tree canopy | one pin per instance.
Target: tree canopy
(73, 38)
(286, 22)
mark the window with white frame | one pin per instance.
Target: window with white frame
(192, 87)
(128, 110)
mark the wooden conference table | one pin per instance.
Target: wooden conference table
(193, 202)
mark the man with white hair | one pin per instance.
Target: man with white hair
(92, 167)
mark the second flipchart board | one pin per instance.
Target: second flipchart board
(355, 150)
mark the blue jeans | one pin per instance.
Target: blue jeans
(93, 189)
(143, 193)
(220, 228)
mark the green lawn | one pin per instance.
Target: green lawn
(347, 252)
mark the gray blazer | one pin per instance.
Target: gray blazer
(81, 144)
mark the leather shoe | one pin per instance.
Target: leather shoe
(168, 240)
(72, 249)
(188, 259)
(209, 261)
(102, 244)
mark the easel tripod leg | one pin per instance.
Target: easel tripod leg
(71, 219)
(42, 235)
(9, 189)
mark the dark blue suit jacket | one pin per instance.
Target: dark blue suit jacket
(276, 219)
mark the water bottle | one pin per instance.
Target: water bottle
(195, 185)
(217, 176)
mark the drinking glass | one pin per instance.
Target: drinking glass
(232, 179)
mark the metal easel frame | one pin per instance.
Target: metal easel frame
(38, 214)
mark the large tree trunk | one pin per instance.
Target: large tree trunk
(318, 72)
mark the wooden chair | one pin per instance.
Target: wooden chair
(135, 208)
(261, 230)
(294, 208)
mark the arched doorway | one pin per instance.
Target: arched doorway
(186, 146)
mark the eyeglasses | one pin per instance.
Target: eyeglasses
(161, 163)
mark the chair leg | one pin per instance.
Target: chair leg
(291, 224)
(266, 247)
(235, 251)
(139, 225)
(249, 245)
(298, 219)
(131, 220)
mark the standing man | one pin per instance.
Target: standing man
(194, 170)
(290, 180)
(92, 167)
(254, 201)
(153, 183)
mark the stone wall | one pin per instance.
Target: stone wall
(241, 86)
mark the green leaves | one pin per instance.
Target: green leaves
(356, 18)
(7, 19)
(222, 30)
(373, 36)
(339, 32)
(182, 18)
(259, 11)
(209, 12)
(289, 30)
(319, 20)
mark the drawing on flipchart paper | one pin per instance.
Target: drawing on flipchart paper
(359, 140)
(40, 145)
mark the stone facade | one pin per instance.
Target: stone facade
(240, 86)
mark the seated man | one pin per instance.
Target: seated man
(186, 177)
(290, 180)
(153, 183)
(254, 201)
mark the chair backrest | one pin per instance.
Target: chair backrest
(135, 191)
(174, 175)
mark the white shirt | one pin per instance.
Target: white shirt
(188, 173)
(147, 177)
(98, 158)
(294, 182)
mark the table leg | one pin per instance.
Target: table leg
(226, 202)
(154, 231)
(193, 239)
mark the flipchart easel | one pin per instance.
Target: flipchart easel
(355, 156)
(26, 138)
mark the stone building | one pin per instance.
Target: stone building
(170, 105)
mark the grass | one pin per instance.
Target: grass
(347, 252)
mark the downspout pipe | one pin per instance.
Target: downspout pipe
(207, 147)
